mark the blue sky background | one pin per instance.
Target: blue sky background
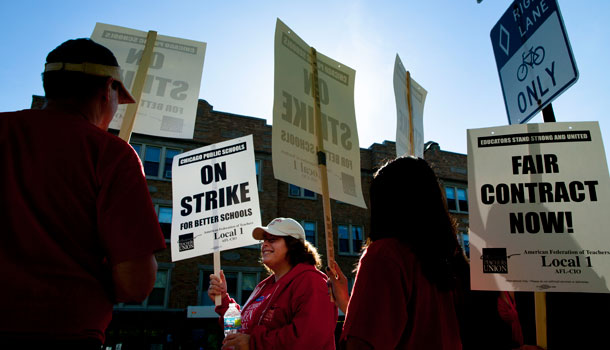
(445, 44)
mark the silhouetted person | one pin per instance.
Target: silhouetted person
(410, 277)
(79, 228)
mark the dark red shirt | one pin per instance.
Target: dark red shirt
(294, 312)
(73, 202)
(393, 306)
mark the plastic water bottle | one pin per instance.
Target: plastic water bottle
(232, 320)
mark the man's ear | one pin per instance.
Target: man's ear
(108, 88)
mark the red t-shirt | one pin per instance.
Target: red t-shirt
(393, 306)
(73, 202)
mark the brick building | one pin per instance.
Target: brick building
(452, 170)
(178, 311)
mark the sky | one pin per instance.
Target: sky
(445, 44)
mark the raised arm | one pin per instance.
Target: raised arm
(339, 287)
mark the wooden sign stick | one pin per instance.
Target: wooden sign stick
(138, 85)
(540, 297)
(410, 108)
(328, 222)
(540, 305)
(218, 298)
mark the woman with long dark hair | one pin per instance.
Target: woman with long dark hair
(291, 309)
(407, 285)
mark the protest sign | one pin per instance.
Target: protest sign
(294, 144)
(538, 199)
(171, 90)
(417, 96)
(215, 197)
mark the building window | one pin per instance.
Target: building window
(299, 192)
(138, 148)
(465, 242)
(165, 220)
(241, 282)
(457, 200)
(259, 173)
(169, 159)
(159, 293)
(159, 297)
(350, 239)
(310, 231)
(157, 160)
(152, 161)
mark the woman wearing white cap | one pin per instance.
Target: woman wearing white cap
(291, 309)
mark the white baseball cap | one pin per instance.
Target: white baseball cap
(281, 227)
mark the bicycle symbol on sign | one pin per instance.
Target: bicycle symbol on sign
(531, 58)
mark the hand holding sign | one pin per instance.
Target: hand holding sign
(218, 286)
(338, 283)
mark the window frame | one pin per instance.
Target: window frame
(158, 207)
(162, 172)
(161, 266)
(207, 311)
(350, 232)
(456, 199)
(258, 163)
(464, 240)
(301, 194)
(315, 231)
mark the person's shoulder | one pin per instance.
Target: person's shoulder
(385, 246)
(115, 145)
(115, 140)
(308, 273)
(387, 251)
(19, 114)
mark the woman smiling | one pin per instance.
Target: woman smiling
(291, 309)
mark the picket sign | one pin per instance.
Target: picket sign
(138, 87)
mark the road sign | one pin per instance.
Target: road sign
(533, 56)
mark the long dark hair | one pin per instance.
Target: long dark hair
(407, 203)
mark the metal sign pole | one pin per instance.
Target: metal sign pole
(548, 116)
